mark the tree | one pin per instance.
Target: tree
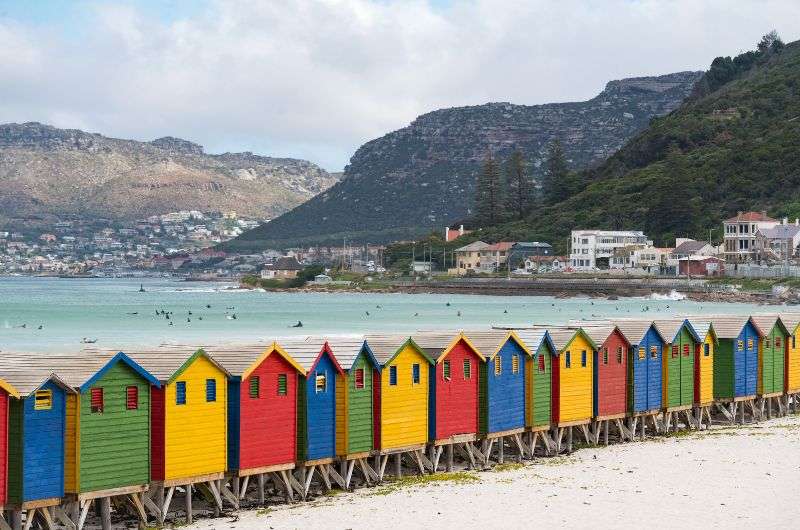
(556, 185)
(489, 200)
(520, 185)
(770, 43)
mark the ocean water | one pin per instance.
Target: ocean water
(113, 312)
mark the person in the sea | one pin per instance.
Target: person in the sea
(298, 325)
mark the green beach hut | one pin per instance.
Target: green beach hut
(771, 355)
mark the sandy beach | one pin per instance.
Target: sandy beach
(723, 478)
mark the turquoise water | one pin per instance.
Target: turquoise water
(116, 314)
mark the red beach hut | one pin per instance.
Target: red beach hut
(610, 371)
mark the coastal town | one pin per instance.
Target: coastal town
(182, 244)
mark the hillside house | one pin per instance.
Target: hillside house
(780, 242)
(283, 268)
(740, 235)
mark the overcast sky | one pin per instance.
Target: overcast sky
(316, 79)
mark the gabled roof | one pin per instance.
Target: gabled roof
(168, 361)
(791, 320)
(348, 348)
(730, 326)
(703, 328)
(635, 330)
(670, 327)
(82, 370)
(386, 347)
(21, 374)
(473, 247)
(767, 321)
(307, 351)
(489, 342)
(241, 359)
(780, 232)
(500, 246)
(689, 247)
(534, 338)
(600, 333)
(438, 344)
(563, 335)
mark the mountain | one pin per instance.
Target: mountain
(45, 171)
(423, 176)
(732, 146)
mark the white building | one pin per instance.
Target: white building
(593, 249)
(740, 234)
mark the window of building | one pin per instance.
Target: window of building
(359, 379)
(498, 364)
(777, 342)
(653, 351)
(211, 390)
(619, 354)
(515, 364)
(467, 369)
(321, 382)
(541, 364)
(706, 350)
(583, 358)
(180, 393)
(605, 355)
(283, 384)
(97, 402)
(749, 343)
(685, 350)
(740, 345)
(393, 376)
(132, 397)
(766, 342)
(567, 360)
(43, 400)
(674, 350)
(255, 386)
(414, 374)
(446, 370)
(642, 352)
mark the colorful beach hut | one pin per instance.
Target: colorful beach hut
(108, 439)
(502, 391)
(704, 362)
(32, 426)
(679, 362)
(644, 368)
(188, 424)
(454, 386)
(573, 375)
(792, 322)
(735, 364)
(401, 393)
(316, 408)
(262, 414)
(610, 405)
(771, 356)
(539, 382)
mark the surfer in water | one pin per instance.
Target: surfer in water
(298, 325)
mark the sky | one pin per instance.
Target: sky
(315, 79)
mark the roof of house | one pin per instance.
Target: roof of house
(489, 341)
(532, 244)
(689, 247)
(634, 330)
(780, 232)
(473, 247)
(347, 348)
(168, 360)
(750, 217)
(670, 327)
(287, 263)
(729, 326)
(791, 320)
(501, 246)
(437, 343)
(702, 327)
(534, 338)
(24, 373)
(766, 321)
(307, 350)
(385, 346)
(599, 333)
(563, 335)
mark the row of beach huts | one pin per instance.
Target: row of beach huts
(142, 433)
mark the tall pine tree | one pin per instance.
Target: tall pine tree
(489, 200)
(520, 185)
(556, 185)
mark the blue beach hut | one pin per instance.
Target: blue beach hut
(501, 394)
(735, 357)
(644, 365)
(36, 430)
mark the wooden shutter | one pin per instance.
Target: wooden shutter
(132, 397)
(255, 386)
(359, 378)
(180, 393)
(96, 395)
(446, 370)
(282, 384)
(467, 369)
(211, 390)
(498, 365)
(43, 400)
(515, 364)
(415, 374)
(541, 363)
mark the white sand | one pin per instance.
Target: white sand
(727, 478)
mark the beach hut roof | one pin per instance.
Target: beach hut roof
(489, 342)
(767, 321)
(599, 333)
(168, 361)
(22, 374)
(80, 370)
(563, 335)
(307, 351)
(438, 344)
(635, 330)
(534, 338)
(791, 320)
(730, 326)
(241, 359)
(670, 327)
(347, 348)
(386, 347)
(703, 328)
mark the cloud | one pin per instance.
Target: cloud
(315, 79)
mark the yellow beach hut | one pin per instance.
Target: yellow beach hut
(704, 370)
(402, 399)
(792, 323)
(188, 424)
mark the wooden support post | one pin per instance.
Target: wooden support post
(449, 466)
(501, 457)
(261, 495)
(188, 500)
(569, 440)
(605, 432)
(105, 513)
(16, 519)
(398, 465)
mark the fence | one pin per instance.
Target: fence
(746, 270)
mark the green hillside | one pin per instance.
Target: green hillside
(734, 145)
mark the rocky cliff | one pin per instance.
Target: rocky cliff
(423, 176)
(45, 171)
